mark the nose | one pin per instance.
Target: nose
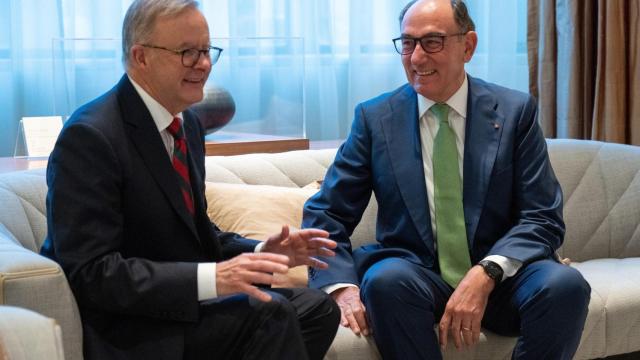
(418, 55)
(203, 63)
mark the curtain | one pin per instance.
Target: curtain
(348, 53)
(584, 61)
(29, 30)
(25, 64)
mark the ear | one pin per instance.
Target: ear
(470, 43)
(137, 56)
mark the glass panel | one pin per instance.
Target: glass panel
(263, 76)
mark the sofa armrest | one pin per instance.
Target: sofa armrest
(29, 280)
(25, 334)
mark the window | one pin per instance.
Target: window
(348, 53)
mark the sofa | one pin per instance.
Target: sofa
(600, 181)
(17, 340)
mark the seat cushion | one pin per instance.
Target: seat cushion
(615, 299)
(612, 326)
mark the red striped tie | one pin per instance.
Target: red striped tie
(180, 162)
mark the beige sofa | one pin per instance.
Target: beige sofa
(27, 335)
(601, 184)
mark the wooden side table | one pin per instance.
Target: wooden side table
(232, 143)
(9, 164)
(222, 144)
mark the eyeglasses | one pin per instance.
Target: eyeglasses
(430, 44)
(190, 57)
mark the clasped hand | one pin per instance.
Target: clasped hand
(280, 252)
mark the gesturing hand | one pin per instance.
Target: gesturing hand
(353, 314)
(301, 246)
(464, 310)
(239, 274)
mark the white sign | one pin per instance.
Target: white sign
(40, 134)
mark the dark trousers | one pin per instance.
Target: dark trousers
(296, 324)
(545, 304)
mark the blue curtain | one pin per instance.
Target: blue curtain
(348, 55)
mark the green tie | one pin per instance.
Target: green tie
(453, 250)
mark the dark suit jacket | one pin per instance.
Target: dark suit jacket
(512, 200)
(118, 226)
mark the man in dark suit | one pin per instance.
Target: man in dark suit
(153, 277)
(469, 209)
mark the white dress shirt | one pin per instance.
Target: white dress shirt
(428, 130)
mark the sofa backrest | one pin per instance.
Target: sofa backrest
(601, 186)
(600, 181)
(293, 168)
(22, 206)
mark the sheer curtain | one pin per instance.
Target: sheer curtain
(27, 32)
(348, 52)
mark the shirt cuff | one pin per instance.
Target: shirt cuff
(509, 266)
(333, 287)
(258, 247)
(207, 281)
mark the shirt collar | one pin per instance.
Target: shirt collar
(458, 101)
(161, 116)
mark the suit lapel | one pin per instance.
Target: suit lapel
(144, 135)
(483, 129)
(402, 135)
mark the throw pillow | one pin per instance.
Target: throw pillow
(257, 212)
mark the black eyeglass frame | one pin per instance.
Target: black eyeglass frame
(397, 42)
(190, 54)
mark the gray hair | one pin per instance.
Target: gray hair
(141, 17)
(460, 15)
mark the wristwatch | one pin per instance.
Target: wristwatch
(492, 269)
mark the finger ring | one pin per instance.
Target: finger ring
(466, 328)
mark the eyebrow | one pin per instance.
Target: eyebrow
(434, 33)
(187, 45)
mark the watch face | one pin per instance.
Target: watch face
(493, 270)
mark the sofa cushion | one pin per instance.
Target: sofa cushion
(6, 234)
(257, 212)
(292, 168)
(25, 335)
(34, 282)
(614, 319)
(22, 195)
(601, 188)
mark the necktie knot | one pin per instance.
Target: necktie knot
(175, 129)
(441, 112)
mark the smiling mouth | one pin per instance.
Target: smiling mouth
(425, 73)
(193, 81)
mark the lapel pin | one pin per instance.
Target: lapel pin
(496, 126)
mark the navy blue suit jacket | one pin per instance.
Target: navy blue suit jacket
(512, 200)
(119, 227)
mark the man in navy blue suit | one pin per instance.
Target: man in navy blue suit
(469, 209)
(127, 221)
